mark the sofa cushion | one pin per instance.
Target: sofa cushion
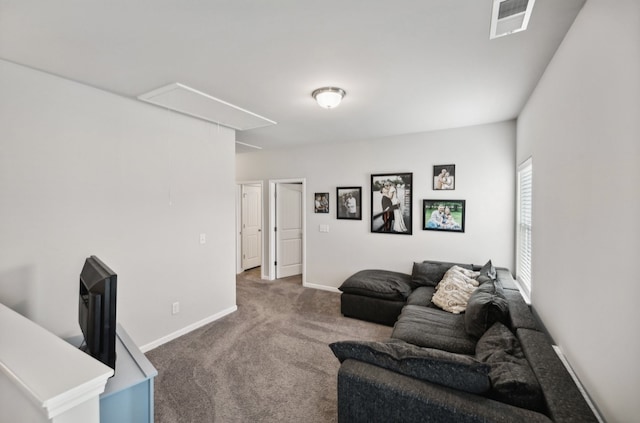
(486, 305)
(377, 310)
(456, 371)
(430, 273)
(512, 379)
(421, 296)
(433, 328)
(454, 290)
(487, 273)
(383, 284)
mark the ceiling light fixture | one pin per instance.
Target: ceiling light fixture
(328, 97)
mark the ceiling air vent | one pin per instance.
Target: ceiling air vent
(510, 16)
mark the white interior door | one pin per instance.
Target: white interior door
(251, 226)
(288, 229)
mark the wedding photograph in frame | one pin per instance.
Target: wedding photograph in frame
(391, 203)
(321, 202)
(443, 215)
(444, 177)
(349, 203)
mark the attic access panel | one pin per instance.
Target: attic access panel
(183, 99)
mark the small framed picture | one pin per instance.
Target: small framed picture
(349, 203)
(391, 203)
(443, 215)
(321, 202)
(444, 177)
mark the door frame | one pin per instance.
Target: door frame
(239, 185)
(272, 225)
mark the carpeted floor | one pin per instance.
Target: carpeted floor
(267, 362)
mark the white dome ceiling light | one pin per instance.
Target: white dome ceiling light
(328, 97)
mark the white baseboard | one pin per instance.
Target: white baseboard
(321, 287)
(151, 345)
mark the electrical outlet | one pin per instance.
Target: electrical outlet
(175, 308)
(203, 238)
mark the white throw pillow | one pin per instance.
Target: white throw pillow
(454, 290)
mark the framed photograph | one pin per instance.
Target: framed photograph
(349, 203)
(443, 215)
(321, 202)
(391, 203)
(444, 177)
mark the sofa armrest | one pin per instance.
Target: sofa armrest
(506, 279)
(564, 399)
(519, 312)
(367, 393)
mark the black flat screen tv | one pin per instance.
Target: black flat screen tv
(97, 310)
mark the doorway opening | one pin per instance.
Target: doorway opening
(287, 226)
(249, 239)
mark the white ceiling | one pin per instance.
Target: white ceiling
(407, 66)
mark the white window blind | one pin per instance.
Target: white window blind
(525, 186)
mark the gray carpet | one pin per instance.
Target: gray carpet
(267, 362)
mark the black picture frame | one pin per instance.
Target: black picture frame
(389, 215)
(444, 177)
(434, 212)
(321, 202)
(349, 203)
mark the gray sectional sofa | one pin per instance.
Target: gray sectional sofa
(491, 363)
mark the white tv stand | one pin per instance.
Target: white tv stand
(43, 378)
(128, 396)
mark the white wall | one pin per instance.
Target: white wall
(581, 125)
(84, 172)
(484, 157)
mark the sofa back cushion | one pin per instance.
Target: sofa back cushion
(421, 296)
(486, 305)
(430, 273)
(487, 272)
(456, 371)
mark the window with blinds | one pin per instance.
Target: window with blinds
(523, 264)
